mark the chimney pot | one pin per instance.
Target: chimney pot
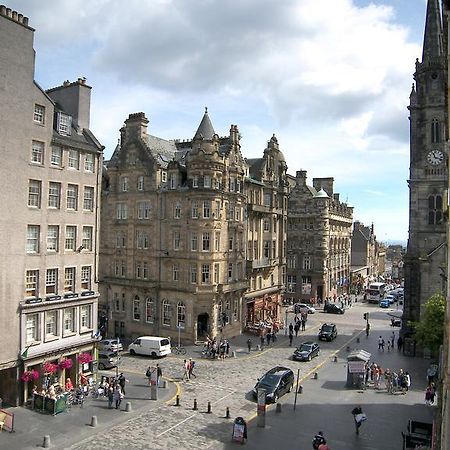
(14, 15)
(8, 12)
(20, 18)
(25, 20)
(3, 10)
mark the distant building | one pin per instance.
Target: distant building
(49, 195)
(319, 235)
(175, 233)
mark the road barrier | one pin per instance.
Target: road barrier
(94, 421)
(195, 405)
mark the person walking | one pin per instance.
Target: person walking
(148, 374)
(359, 417)
(249, 345)
(268, 336)
(291, 328)
(118, 396)
(392, 339)
(122, 380)
(303, 322)
(191, 368)
(297, 328)
(367, 329)
(399, 343)
(158, 374)
(186, 370)
(291, 337)
(318, 439)
(110, 397)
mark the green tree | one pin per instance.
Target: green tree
(429, 332)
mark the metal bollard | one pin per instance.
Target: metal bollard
(300, 389)
(278, 408)
(259, 348)
(335, 358)
(195, 405)
(163, 384)
(227, 414)
(209, 408)
(128, 407)
(93, 421)
(316, 376)
(357, 340)
(233, 354)
(348, 348)
(46, 443)
(177, 400)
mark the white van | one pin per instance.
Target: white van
(150, 345)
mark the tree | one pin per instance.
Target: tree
(429, 332)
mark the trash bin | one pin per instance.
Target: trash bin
(239, 430)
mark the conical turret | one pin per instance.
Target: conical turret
(432, 41)
(205, 130)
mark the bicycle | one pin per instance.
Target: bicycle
(178, 350)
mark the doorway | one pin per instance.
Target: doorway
(202, 325)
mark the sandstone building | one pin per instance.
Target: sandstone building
(49, 195)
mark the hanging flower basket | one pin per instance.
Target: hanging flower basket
(49, 367)
(84, 358)
(29, 375)
(65, 364)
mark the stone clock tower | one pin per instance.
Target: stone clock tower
(425, 261)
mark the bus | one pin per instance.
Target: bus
(375, 292)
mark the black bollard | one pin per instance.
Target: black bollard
(209, 408)
(300, 389)
(227, 414)
(195, 405)
(177, 400)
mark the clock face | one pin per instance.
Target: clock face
(435, 157)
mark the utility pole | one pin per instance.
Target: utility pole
(366, 318)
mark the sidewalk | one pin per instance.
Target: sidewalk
(326, 404)
(72, 426)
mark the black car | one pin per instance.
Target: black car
(277, 382)
(328, 332)
(306, 351)
(333, 309)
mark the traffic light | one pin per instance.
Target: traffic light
(366, 316)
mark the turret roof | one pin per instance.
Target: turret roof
(205, 129)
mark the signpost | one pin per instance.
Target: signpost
(261, 408)
(153, 383)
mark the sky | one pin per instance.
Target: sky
(331, 79)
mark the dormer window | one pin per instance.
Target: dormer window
(64, 124)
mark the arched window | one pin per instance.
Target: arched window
(136, 308)
(181, 315)
(435, 214)
(149, 315)
(435, 131)
(166, 312)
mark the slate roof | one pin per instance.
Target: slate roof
(205, 129)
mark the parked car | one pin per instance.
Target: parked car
(110, 345)
(328, 332)
(396, 322)
(300, 308)
(277, 382)
(391, 298)
(107, 360)
(306, 351)
(384, 303)
(333, 309)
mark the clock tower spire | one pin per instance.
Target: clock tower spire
(425, 259)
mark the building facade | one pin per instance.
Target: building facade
(319, 241)
(49, 223)
(174, 234)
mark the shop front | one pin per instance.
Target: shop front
(264, 314)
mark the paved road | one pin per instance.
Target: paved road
(228, 383)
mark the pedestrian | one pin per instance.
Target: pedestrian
(191, 368)
(249, 345)
(291, 328)
(324, 446)
(148, 374)
(303, 322)
(392, 339)
(186, 370)
(399, 343)
(389, 346)
(227, 348)
(430, 394)
(297, 328)
(318, 439)
(268, 336)
(110, 397)
(261, 340)
(158, 374)
(367, 329)
(359, 417)
(118, 395)
(380, 343)
(407, 381)
(291, 337)
(122, 380)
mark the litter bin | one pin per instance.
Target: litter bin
(239, 430)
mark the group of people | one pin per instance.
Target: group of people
(188, 369)
(389, 343)
(113, 388)
(216, 349)
(394, 381)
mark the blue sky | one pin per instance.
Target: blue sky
(331, 79)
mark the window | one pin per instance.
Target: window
(140, 183)
(69, 279)
(142, 239)
(194, 241)
(31, 283)
(37, 152)
(121, 239)
(163, 176)
(138, 269)
(124, 185)
(72, 197)
(207, 181)
(69, 320)
(34, 193)
(232, 184)
(145, 270)
(33, 232)
(176, 240)
(116, 302)
(206, 274)
(39, 114)
(266, 224)
(87, 238)
(54, 195)
(205, 241)
(217, 213)
(216, 273)
(51, 280)
(50, 323)
(230, 242)
(195, 181)
(175, 272)
(193, 274)
(123, 303)
(64, 124)
(71, 238)
(166, 312)
(230, 271)
(217, 241)
(435, 132)
(143, 210)
(88, 198)
(177, 211)
(292, 261)
(86, 272)
(52, 238)
(172, 181)
(181, 315)
(136, 308)
(56, 157)
(121, 211)
(307, 262)
(32, 328)
(435, 214)
(74, 159)
(267, 199)
(206, 209)
(194, 210)
(291, 283)
(86, 316)
(89, 162)
(266, 249)
(149, 315)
